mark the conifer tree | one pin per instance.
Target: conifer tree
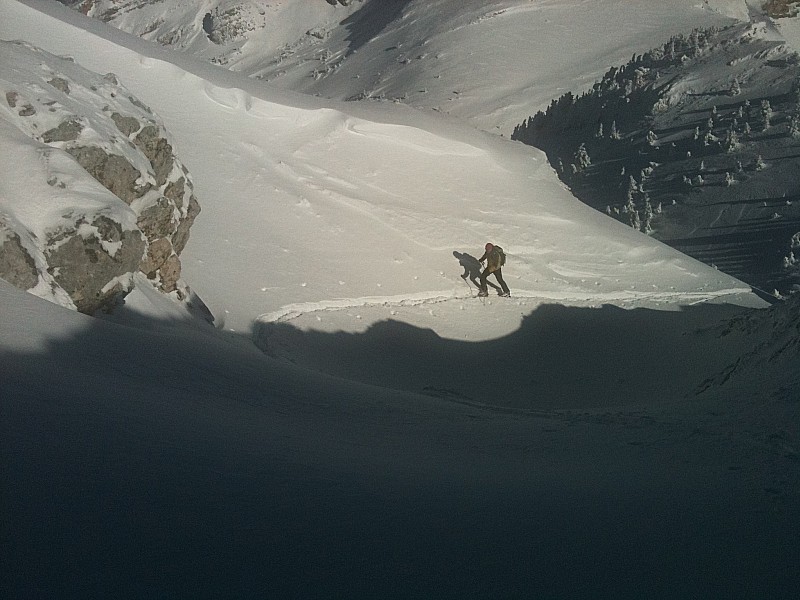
(648, 215)
(766, 113)
(582, 156)
(794, 126)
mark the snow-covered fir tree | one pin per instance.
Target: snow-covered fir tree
(647, 225)
(582, 156)
(794, 126)
(766, 113)
(732, 141)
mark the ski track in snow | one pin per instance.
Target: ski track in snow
(293, 311)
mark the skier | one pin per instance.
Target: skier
(495, 259)
(472, 269)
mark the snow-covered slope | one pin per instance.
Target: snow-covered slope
(205, 469)
(391, 435)
(706, 127)
(491, 62)
(338, 206)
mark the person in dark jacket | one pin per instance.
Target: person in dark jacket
(495, 259)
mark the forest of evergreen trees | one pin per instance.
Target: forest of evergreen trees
(709, 168)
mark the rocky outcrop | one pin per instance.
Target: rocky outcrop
(16, 264)
(113, 171)
(90, 261)
(88, 248)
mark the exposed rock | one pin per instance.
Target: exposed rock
(114, 172)
(60, 84)
(181, 236)
(127, 125)
(17, 266)
(139, 104)
(158, 251)
(87, 262)
(68, 131)
(84, 255)
(158, 150)
(175, 191)
(170, 274)
(157, 220)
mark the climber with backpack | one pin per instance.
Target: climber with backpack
(495, 259)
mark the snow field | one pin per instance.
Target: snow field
(390, 436)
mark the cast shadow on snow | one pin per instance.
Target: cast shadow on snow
(370, 20)
(472, 269)
(161, 458)
(560, 358)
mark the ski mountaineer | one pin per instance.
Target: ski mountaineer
(495, 259)
(472, 269)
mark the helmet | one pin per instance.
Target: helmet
(489, 247)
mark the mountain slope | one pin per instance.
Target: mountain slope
(366, 204)
(366, 449)
(694, 142)
(492, 63)
(205, 468)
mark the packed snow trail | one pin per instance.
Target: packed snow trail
(290, 312)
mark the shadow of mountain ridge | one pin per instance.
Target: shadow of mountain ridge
(370, 20)
(560, 358)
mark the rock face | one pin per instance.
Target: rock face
(16, 265)
(69, 237)
(86, 268)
